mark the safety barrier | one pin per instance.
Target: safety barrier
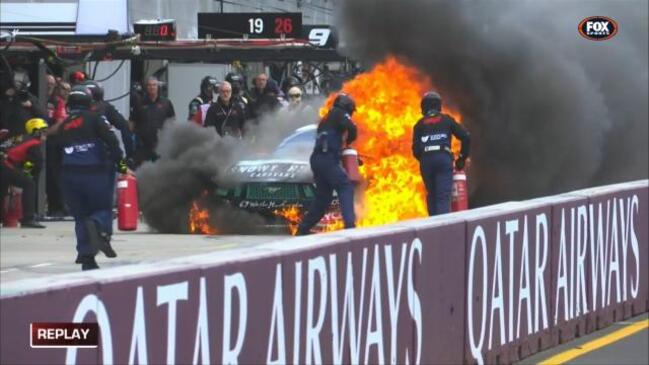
(490, 285)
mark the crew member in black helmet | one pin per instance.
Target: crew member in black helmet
(240, 95)
(335, 131)
(89, 151)
(206, 96)
(113, 116)
(431, 146)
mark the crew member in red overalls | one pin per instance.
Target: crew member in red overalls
(20, 165)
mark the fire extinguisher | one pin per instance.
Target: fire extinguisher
(12, 208)
(460, 193)
(127, 205)
(350, 164)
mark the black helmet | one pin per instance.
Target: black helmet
(96, 89)
(431, 102)
(236, 80)
(80, 97)
(289, 82)
(345, 102)
(21, 80)
(208, 81)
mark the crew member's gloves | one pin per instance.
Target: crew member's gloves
(459, 163)
(122, 167)
(28, 168)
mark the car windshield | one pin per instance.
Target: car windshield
(298, 145)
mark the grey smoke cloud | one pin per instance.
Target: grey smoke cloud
(548, 110)
(194, 160)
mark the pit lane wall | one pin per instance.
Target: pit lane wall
(491, 285)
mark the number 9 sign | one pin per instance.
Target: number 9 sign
(319, 36)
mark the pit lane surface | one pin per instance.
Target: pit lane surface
(36, 253)
(618, 344)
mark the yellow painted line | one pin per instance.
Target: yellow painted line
(225, 246)
(595, 344)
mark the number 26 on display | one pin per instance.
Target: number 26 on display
(283, 25)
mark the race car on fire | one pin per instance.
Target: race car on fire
(278, 186)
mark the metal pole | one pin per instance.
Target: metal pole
(42, 98)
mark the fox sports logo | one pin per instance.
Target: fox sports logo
(598, 28)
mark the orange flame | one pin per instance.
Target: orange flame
(199, 220)
(387, 107)
(332, 221)
(293, 216)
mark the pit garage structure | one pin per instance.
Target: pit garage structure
(62, 54)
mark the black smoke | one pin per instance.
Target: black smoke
(194, 162)
(191, 158)
(548, 110)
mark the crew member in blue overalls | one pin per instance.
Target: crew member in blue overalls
(431, 145)
(89, 151)
(334, 130)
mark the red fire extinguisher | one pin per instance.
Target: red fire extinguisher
(127, 205)
(12, 208)
(350, 164)
(460, 193)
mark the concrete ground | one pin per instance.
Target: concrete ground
(34, 253)
(633, 349)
